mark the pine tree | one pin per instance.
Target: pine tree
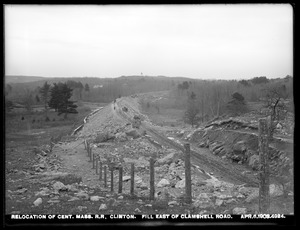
(54, 97)
(61, 95)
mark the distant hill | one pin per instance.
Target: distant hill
(22, 79)
(110, 89)
(13, 79)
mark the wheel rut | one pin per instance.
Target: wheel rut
(206, 161)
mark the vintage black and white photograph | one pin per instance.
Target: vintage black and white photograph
(148, 113)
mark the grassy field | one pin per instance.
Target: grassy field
(166, 116)
(23, 139)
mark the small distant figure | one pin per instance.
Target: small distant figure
(22, 118)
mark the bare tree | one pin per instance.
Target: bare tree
(192, 111)
(28, 101)
(274, 101)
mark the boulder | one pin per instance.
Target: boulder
(126, 178)
(21, 191)
(142, 186)
(138, 180)
(173, 202)
(68, 178)
(103, 137)
(82, 194)
(121, 137)
(276, 190)
(231, 201)
(202, 145)
(112, 202)
(103, 207)
(175, 192)
(237, 157)
(44, 192)
(239, 147)
(73, 199)
(168, 159)
(96, 198)
(239, 211)
(247, 190)
(137, 210)
(278, 126)
(162, 183)
(58, 186)
(133, 133)
(203, 201)
(180, 134)
(72, 188)
(38, 201)
(219, 202)
(254, 162)
(162, 194)
(180, 184)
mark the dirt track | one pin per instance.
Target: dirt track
(201, 157)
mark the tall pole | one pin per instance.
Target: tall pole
(263, 137)
(132, 180)
(120, 179)
(188, 179)
(152, 190)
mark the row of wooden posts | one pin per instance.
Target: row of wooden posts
(101, 170)
(264, 196)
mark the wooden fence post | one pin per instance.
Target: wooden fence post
(93, 157)
(120, 179)
(132, 180)
(84, 143)
(91, 153)
(111, 179)
(188, 180)
(88, 148)
(105, 177)
(263, 137)
(100, 172)
(97, 166)
(152, 191)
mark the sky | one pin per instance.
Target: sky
(219, 41)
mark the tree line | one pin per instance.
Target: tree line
(57, 96)
(204, 100)
(210, 100)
